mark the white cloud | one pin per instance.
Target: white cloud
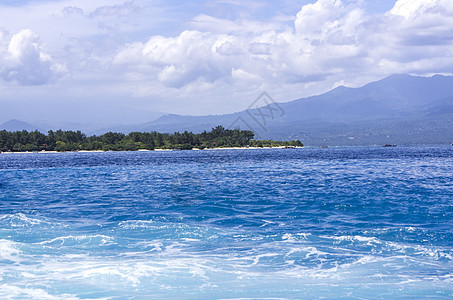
(179, 61)
(72, 10)
(23, 60)
(319, 16)
(212, 24)
(229, 45)
(122, 10)
(414, 8)
(130, 48)
(244, 80)
(277, 56)
(331, 41)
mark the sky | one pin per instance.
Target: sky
(126, 62)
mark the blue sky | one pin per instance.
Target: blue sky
(116, 61)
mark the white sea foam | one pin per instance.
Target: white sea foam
(20, 220)
(358, 238)
(173, 270)
(257, 258)
(266, 222)
(295, 238)
(190, 240)
(303, 235)
(9, 250)
(309, 251)
(173, 266)
(288, 237)
(8, 291)
(367, 259)
(154, 246)
(419, 250)
(260, 298)
(79, 239)
(136, 224)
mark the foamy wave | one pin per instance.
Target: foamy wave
(436, 253)
(136, 224)
(356, 238)
(152, 246)
(123, 273)
(71, 240)
(308, 251)
(174, 269)
(394, 249)
(172, 230)
(297, 237)
(20, 221)
(15, 292)
(9, 250)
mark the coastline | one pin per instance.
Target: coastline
(223, 148)
(159, 150)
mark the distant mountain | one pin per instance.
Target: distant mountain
(399, 109)
(16, 125)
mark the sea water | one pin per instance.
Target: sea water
(351, 223)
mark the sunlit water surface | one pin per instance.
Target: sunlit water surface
(350, 223)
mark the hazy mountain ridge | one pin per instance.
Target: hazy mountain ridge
(17, 125)
(399, 109)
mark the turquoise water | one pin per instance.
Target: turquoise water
(336, 223)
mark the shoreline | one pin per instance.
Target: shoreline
(212, 149)
(146, 150)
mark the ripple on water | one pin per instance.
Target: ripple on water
(309, 223)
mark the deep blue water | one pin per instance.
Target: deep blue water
(338, 223)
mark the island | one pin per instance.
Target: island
(67, 140)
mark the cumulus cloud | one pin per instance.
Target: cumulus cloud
(318, 46)
(122, 10)
(72, 10)
(414, 8)
(178, 61)
(23, 60)
(330, 41)
(415, 36)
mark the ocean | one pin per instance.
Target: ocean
(311, 223)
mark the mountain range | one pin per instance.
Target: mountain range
(399, 109)
(17, 125)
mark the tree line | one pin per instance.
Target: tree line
(61, 140)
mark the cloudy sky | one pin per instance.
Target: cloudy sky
(122, 61)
